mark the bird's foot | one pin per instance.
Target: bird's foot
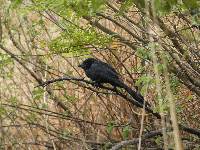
(115, 89)
(96, 85)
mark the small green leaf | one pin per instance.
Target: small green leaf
(31, 118)
(191, 4)
(126, 131)
(13, 100)
(70, 98)
(16, 3)
(143, 53)
(2, 111)
(38, 93)
(144, 79)
(164, 6)
(110, 127)
(189, 97)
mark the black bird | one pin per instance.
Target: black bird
(101, 72)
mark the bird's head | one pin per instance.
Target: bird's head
(87, 63)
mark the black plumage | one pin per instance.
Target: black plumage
(101, 72)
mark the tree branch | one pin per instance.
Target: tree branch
(183, 128)
(133, 101)
(148, 135)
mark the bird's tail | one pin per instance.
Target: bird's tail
(138, 97)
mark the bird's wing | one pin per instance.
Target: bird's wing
(102, 73)
(108, 67)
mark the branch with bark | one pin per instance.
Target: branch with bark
(157, 115)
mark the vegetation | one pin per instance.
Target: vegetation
(46, 102)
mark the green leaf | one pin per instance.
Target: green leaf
(86, 7)
(70, 98)
(31, 118)
(164, 6)
(158, 140)
(191, 4)
(6, 66)
(144, 79)
(75, 41)
(190, 97)
(174, 83)
(143, 53)
(16, 3)
(38, 93)
(13, 100)
(43, 105)
(126, 5)
(2, 111)
(126, 131)
(110, 127)
(140, 3)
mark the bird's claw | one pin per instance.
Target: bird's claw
(96, 85)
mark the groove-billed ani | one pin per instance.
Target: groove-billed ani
(101, 72)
